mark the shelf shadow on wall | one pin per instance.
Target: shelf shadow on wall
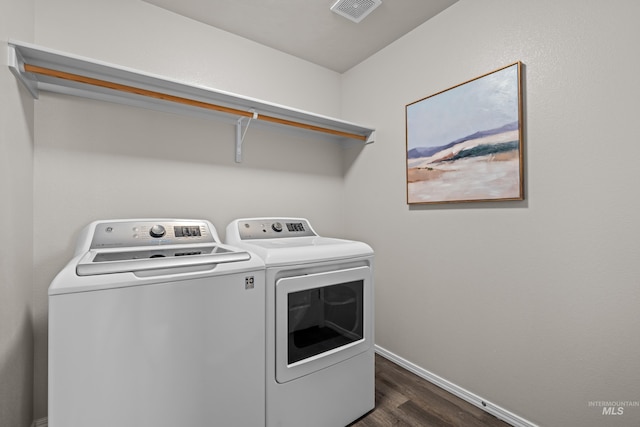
(110, 129)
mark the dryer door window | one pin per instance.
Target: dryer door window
(324, 318)
(321, 319)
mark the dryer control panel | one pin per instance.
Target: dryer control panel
(119, 234)
(274, 228)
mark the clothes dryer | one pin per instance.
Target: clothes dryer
(319, 322)
(154, 322)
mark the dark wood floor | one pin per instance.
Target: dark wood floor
(404, 399)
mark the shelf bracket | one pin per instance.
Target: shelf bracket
(16, 65)
(371, 138)
(240, 134)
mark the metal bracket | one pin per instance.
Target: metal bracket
(371, 138)
(240, 134)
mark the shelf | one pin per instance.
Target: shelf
(41, 69)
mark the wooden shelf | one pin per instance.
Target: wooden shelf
(41, 69)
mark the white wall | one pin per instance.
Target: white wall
(16, 206)
(532, 305)
(97, 160)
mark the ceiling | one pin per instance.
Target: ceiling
(308, 29)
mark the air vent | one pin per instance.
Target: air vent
(355, 10)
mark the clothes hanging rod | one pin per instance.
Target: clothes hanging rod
(185, 101)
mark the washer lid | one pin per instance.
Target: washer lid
(145, 259)
(132, 252)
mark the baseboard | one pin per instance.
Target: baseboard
(456, 390)
(42, 422)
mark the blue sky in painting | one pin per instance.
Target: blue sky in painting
(486, 103)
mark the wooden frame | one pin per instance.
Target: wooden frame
(464, 144)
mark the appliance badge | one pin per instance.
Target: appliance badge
(249, 282)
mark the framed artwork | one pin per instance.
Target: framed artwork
(464, 144)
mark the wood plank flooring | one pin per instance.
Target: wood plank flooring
(403, 399)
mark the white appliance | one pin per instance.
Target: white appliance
(319, 320)
(155, 323)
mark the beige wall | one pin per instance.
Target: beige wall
(16, 207)
(532, 305)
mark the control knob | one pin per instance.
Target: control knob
(277, 227)
(157, 231)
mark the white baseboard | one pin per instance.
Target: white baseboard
(42, 422)
(456, 390)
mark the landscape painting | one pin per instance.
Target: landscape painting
(465, 143)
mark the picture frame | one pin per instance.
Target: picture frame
(464, 144)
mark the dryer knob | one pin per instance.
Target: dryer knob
(276, 226)
(157, 231)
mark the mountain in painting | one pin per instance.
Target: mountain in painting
(419, 152)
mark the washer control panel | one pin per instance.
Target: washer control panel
(274, 228)
(150, 233)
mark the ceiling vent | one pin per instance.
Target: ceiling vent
(355, 10)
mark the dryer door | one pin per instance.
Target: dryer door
(322, 319)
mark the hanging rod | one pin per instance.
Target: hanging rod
(185, 101)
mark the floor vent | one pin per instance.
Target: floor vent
(355, 10)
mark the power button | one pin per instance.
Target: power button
(157, 231)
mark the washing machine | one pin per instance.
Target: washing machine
(155, 322)
(319, 322)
